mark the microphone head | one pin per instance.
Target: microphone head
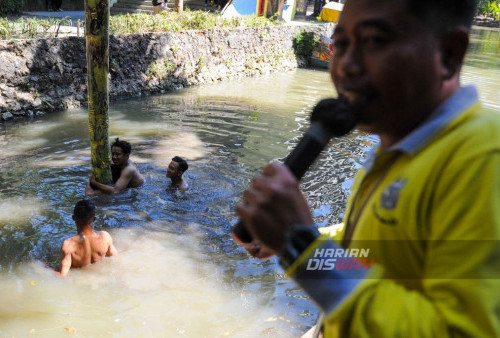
(335, 114)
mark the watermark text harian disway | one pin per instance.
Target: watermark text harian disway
(340, 259)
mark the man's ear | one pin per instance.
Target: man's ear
(453, 48)
(74, 218)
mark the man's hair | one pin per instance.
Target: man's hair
(84, 212)
(444, 15)
(126, 147)
(183, 165)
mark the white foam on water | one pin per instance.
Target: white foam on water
(19, 210)
(158, 285)
(186, 145)
(122, 126)
(64, 159)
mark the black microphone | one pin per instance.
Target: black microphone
(329, 118)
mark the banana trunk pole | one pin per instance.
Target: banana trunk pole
(97, 38)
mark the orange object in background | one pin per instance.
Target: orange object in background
(331, 12)
(322, 53)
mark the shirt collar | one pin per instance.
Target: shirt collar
(445, 114)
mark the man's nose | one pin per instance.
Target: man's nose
(350, 63)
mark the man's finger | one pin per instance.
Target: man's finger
(242, 211)
(271, 169)
(252, 196)
(279, 171)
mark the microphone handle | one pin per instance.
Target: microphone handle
(298, 161)
(310, 146)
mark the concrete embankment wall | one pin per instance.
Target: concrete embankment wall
(43, 75)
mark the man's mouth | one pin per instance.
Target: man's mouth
(356, 98)
(358, 95)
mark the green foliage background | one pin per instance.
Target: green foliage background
(304, 44)
(10, 6)
(490, 8)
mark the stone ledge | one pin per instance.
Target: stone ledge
(486, 22)
(45, 75)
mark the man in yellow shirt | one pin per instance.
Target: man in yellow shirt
(423, 220)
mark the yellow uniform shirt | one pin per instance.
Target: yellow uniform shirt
(428, 209)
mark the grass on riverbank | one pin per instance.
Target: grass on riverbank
(187, 20)
(30, 28)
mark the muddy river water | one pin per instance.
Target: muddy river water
(179, 272)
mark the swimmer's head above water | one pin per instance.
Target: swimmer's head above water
(175, 170)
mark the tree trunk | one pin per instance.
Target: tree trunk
(96, 34)
(179, 5)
